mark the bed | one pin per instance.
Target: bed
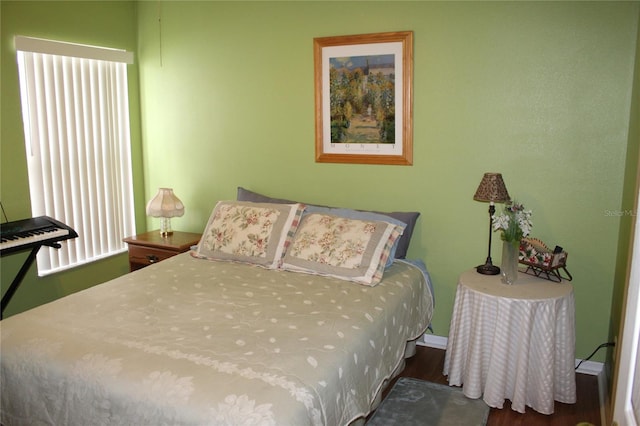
(204, 339)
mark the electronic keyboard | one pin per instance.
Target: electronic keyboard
(28, 233)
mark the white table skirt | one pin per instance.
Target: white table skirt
(513, 342)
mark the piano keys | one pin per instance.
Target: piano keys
(24, 234)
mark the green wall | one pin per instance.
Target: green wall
(540, 92)
(111, 24)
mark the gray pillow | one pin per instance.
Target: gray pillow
(409, 218)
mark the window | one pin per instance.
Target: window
(75, 111)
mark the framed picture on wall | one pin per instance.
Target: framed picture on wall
(363, 98)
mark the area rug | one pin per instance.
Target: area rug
(417, 402)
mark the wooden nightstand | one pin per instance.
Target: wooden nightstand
(148, 248)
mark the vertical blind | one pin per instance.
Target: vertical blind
(75, 110)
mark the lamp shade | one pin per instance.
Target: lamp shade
(165, 204)
(492, 189)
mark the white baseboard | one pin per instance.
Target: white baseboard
(587, 367)
(433, 341)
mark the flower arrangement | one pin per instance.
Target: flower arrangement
(514, 222)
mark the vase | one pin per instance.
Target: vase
(509, 266)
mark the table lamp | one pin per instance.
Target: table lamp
(491, 190)
(165, 205)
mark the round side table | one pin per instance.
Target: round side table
(513, 342)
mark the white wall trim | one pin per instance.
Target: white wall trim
(587, 367)
(433, 341)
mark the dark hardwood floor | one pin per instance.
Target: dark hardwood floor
(428, 364)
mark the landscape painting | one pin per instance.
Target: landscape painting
(363, 98)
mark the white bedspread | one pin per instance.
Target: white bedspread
(190, 341)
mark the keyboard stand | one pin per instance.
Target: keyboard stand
(18, 279)
(21, 273)
(29, 234)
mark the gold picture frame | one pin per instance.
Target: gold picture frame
(363, 98)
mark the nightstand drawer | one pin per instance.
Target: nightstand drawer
(145, 256)
(151, 247)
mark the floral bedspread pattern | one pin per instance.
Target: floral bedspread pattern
(192, 342)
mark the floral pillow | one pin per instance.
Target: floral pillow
(256, 233)
(362, 215)
(408, 218)
(349, 249)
